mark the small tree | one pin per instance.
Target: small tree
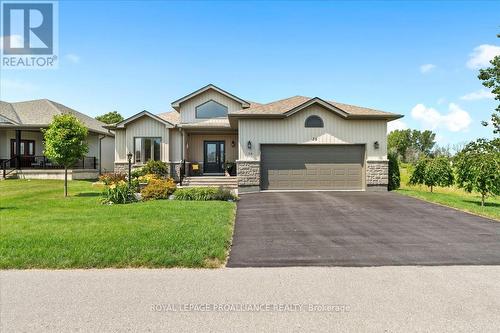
(478, 167)
(65, 142)
(394, 177)
(110, 117)
(433, 172)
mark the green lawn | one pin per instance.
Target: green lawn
(41, 229)
(452, 197)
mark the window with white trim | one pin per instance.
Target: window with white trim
(146, 149)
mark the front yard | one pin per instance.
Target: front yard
(451, 196)
(41, 229)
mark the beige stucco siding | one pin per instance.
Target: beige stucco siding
(187, 108)
(142, 127)
(292, 130)
(107, 154)
(196, 146)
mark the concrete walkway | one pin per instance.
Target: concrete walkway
(369, 299)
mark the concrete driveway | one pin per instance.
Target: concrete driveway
(357, 229)
(369, 299)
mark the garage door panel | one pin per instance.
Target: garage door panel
(337, 167)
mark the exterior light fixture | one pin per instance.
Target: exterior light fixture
(129, 156)
(232, 143)
(376, 145)
(249, 144)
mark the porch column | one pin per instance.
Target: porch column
(184, 150)
(18, 149)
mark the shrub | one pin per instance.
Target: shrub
(112, 178)
(147, 178)
(158, 168)
(138, 172)
(204, 194)
(432, 172)
(394, 177)
(158, 189)
(119, 193)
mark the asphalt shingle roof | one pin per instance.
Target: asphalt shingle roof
(40, 113)
(284, 105)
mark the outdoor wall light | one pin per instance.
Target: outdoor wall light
(376, 145)
(249, 144)
(232, 143)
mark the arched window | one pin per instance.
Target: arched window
(314, 121)
(211, 109)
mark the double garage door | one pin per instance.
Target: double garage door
(312, 167)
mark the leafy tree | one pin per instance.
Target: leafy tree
(478, 167)
(424, 141)
(110, 117)
(394, 177)
(65, 142)
(491, 79)
(411, 144)
(399, 141)
(433, 172)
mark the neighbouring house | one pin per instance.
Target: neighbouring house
(297, 143)
(22, 144)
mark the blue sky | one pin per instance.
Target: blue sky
(418, 59)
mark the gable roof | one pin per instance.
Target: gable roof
(172, 117)
(176, 104)
(144, 113)
(288, 106)
(40, 112)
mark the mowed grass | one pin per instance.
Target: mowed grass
(39, 228)
(451, 196)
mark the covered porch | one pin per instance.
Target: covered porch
(21, 153)
(209, 152)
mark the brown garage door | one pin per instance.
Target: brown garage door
(312, 167)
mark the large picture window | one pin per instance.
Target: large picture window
(146, 149)
(211, 109)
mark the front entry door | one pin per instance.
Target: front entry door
(213, 156)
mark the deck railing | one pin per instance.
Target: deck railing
(42, 162)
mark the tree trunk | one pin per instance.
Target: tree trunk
(482, 199)
(65, 181)
(431, 188)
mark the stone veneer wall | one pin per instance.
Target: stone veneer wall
(377, 175)
(175, 169)
(121, 167)
(248, 175)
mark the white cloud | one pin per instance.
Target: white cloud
(455, 120)
(482, 55)
(477, 95)
(396, 125)
(441, 100)
(74, 58)
(17, 85)
(426, 68)
(14, 40)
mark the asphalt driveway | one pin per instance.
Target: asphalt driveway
(357, 229)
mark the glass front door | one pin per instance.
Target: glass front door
(214, 156)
